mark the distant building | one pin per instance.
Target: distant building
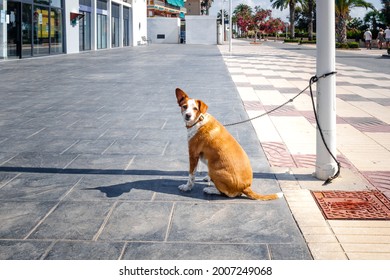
(30, 28)
(198, 7)
(166, 8)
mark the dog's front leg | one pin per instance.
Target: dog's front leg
(191, 176)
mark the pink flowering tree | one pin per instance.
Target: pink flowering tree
(272, 26)
(260, 21)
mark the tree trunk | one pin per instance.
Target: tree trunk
(310, 31)
(341, 29)
(292, 19)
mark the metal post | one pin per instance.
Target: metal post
(222, 22)
(326, 89)
(230, 25)
(3, 32)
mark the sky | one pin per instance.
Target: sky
(266, 4)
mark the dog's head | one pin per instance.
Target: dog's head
(191, 109)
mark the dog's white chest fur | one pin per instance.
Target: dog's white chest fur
(193, 130)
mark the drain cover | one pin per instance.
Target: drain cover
(354, 205)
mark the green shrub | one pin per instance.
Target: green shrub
(349, 45)
(308, 42)
(291, 40)
(342, 46)
(353, 45)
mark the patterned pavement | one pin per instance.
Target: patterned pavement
(268, 75)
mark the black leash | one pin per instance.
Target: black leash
(270, 111)
(312, 81)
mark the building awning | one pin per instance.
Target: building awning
(177, 3)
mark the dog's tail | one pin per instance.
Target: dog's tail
(251, 194)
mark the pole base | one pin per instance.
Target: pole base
(323, 172)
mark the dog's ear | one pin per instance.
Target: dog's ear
(180, 96)
(202, 106)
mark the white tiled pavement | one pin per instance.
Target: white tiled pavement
(266, 77)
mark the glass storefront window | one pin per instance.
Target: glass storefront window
(101, 4)
(101, 31)
(85, 32)
(35, 28)
(101, 24)
(26, 30)
(85, 2)
(3, 40)
(43, 2)
(126, 12)
(56, 3)
(115, 25)
(56, 31)
(13, 30)
(41, 31)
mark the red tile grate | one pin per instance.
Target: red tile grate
(353, 205)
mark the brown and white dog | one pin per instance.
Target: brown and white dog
(209, 141)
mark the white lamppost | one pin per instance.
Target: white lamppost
(223, 21)
(326, 89)
(230, 25)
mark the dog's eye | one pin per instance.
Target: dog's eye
(195, 109)
(185, 107)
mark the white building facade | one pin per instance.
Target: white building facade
(30, 28)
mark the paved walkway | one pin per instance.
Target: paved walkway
(93, 148)
(265, 77)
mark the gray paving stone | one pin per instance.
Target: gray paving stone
(23, 250)
(17, 219)
(140, 147)
(289, 252)
(194, 251)
(114, 187)
(99, 164)
(137, 221)
(241, 223)
(161, 163)
(73, 220)
(6, 177)
(113, 133)
(38, 187)
(40, 160)
(84, 250)
(90, 133)
(96, 146)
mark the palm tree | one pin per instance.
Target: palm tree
(291, 4)
(386, 11)
(225, 16)
(242, 11)
(310, 5)
(343, 7)
(373, 18)
(305, 16)
(205, 6)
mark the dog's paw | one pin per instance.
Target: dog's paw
(185, 188)
(206, 179)
(211, 190)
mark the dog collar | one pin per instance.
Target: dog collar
(201, 118)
